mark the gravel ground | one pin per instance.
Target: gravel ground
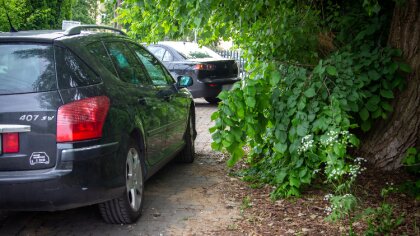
(181, 199)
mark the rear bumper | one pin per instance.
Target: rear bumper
(220, 81)
(81, 177)
(210, 87)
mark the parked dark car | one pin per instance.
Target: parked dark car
(211, 72)
(85, 118)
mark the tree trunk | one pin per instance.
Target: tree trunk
(388, 141)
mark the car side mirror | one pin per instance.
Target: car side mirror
(184, 81)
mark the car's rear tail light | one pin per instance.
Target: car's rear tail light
(212, 85)
(10, 142)
(82, 120)
(205, 67)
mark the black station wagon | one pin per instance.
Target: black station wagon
(85, 118)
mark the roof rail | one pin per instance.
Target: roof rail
(78, 28)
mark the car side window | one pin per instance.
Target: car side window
(168, 56)
(98, 50)
(128, 68)
(157, 51)
(74, 71)
(154, 68)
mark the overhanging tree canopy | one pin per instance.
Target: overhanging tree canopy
(34, 14)
(322, 73)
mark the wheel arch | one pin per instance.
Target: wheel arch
(193, 116)
(138, 135)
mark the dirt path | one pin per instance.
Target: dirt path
(181, 199)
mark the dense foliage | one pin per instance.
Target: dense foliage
(84, 11)
(319, 73)
(34, 14)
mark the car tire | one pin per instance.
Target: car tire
(212, 100)
(127, 208)
(187, 155)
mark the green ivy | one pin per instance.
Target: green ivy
(299, 122)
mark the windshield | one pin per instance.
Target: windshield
(194, 51)
(26, 68)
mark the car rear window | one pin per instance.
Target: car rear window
(194, 51)
(26, 68)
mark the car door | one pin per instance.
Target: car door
(151, 109)
(176, 101)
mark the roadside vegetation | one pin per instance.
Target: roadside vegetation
(326, 83)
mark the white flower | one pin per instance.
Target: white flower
(327, 197)
(328, 210)
(306, 143)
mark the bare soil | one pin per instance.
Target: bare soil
(307, 216)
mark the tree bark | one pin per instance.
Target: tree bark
(388, 141)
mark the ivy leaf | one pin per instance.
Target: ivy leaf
(303, 172)
(372, 103)
(294, 182)
(393, 67)
(365, 126)
(280, 176)
(226, 143)
(353, 106)
(354, 140)
(250, 101)
(216, 137)
(299, 163)
(275, 77)
(320, 124)
(374, 75)
(405, 67)
(280, 147)
(386, 106)
(293, 191)
(212, 129)
(339, 149)
(216, 146)
(310, 92)
(306, 179)
(377, 113)
(387, 93)
(364, 114)
(302, 129)
(331, 70)
(215, 115)
(319, 69)
(240, 112)
(223, 95)
(281, 135)
(302, 103)
(237, 154)
(197, 21)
